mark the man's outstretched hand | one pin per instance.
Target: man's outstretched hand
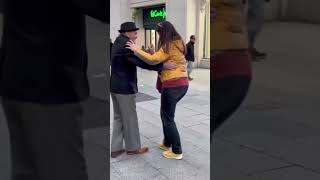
(169, 65)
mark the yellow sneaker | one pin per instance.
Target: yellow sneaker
(171, 155)
(164, 147)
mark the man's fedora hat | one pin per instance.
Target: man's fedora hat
(128, 27)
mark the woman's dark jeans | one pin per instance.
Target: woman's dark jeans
(169, 99)
(226, 96)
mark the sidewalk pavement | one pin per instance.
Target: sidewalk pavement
(275, 134)
(192, 117)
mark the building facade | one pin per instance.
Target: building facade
(293, 10)
(190, 17)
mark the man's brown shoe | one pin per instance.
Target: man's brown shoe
(117, 153)
(141, 150)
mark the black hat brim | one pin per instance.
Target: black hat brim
(129, 30)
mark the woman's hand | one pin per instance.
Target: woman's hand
(131, 45)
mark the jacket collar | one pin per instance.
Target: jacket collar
(123, 37)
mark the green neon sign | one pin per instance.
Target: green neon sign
(158, 13)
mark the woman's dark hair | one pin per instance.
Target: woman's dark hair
(167, 34)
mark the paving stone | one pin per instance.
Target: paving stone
(201, 160)
(245, 160)
(135, 169)
(149, 130)
(293, 173)
(192, 120)
(202, 129)
(174, 169)
(159, 177)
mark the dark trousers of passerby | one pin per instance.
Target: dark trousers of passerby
(230, 82)
(45, 140)
(169, 99)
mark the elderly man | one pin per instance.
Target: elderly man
(123, 92)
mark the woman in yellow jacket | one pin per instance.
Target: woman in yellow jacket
(174, 83)
(230, 60)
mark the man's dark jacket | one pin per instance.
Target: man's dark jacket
(124, 67)
(43, 57)
(190, 51)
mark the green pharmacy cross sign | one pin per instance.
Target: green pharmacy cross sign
(154, 13)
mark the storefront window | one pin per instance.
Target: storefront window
(147, 37)
(151, 38)
(151, 17)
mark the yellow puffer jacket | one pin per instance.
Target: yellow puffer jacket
(175, 54)
(228, 30)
